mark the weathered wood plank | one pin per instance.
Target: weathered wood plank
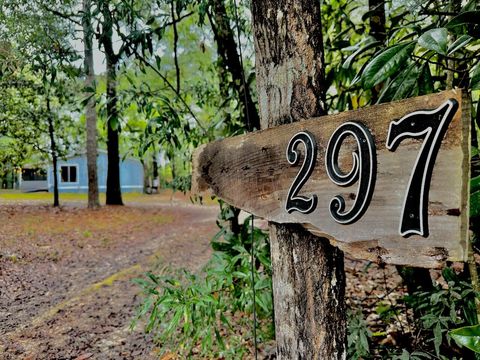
(252, 172)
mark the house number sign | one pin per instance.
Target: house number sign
(388, 183)
(429, 125)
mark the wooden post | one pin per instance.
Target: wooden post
(308, 273)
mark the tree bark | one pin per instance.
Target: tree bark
(175, 46)
(230, 59)
(91, 114)
(308, 273)
(377, 30)
(377, 19)
(114, 193)
(53, 150)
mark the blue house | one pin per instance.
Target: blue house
(73, 174)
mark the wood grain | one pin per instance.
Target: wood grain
(251, 172)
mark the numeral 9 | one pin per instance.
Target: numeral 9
(363, 171)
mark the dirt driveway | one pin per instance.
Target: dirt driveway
(66, 288)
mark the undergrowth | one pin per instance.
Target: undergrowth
(434, 317)
(210, 315)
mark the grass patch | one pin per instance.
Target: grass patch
(68, 197)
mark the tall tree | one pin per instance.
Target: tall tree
(91, 114)
(308, 286)
(43, 41)
(114, 192)
(231, 61)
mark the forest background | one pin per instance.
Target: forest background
(177, 74)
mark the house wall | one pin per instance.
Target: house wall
(131, 175)
(33, 185)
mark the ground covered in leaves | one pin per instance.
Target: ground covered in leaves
(66, 289)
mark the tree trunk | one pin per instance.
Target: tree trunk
(227, 51)
(377, 30)
(91, 114)
(53, 150)
(308, 273)
(155, 175)
(377, 19)
(114, 193)
(175, 46)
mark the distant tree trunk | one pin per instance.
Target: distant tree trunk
(172, 165)
(156, 180)
(227, 51)
(114, 192)
(377, 19)
(146, 183)
(175, 46)
(53, 150)
(91, 114)
(377, 30)
(308, 273)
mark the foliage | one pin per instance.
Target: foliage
(358, 336)
(442, 310)
(468, 336)
(415, 355)
(202, 314)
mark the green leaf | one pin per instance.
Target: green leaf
(475, 204)
(425, 81)
(367, 46)
(435, 39)
(437, 340)
(475, 78)
(386, 64)
(467, 17)
(475, 184)
(402, 86)
(461, 42)
(468, 336)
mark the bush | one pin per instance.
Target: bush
(210, 315)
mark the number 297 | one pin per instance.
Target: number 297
(429, 125)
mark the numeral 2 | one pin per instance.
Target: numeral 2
(296, 202)
(432, 126)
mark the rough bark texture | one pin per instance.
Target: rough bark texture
(91, 115)
(308, 273)
(227, 51)
(114, 193)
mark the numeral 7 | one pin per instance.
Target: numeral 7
(432, 126)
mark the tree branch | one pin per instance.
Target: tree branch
(145, 61)
(71, 17)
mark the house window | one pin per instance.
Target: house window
(68, 174)
(34, 175)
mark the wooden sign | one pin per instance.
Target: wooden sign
(388, 183)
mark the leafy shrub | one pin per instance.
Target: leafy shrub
(210, 314)
(442, 310)
(358, 336)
